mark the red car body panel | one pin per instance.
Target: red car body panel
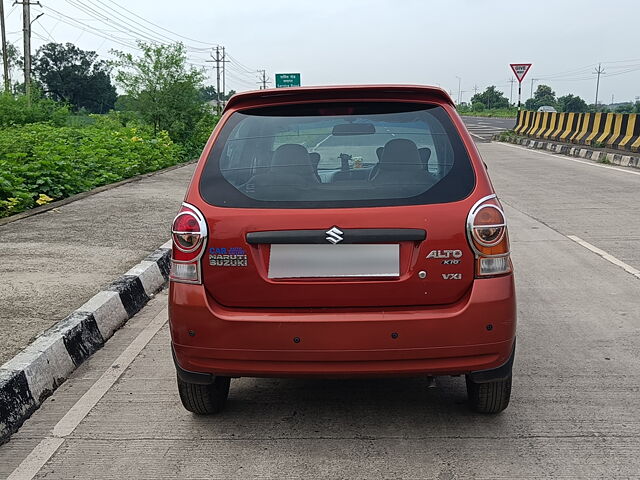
(344, 342)
(237, 325)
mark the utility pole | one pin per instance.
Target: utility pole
(263, 79)
(531, 94)
(224, 76)
(26, 34)
(5, 54)
(511, 80)
(475, 89)
(598, 71)
(219, 61)
(459, 88)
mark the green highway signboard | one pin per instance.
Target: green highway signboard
(287, 80)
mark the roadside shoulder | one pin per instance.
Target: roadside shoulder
(594, 155)
(33, 374)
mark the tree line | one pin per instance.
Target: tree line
(492, 98)
(90, 122)
(156, 87)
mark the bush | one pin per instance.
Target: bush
(15, 111)
(41, 162)
(198, 138)
(506, 136)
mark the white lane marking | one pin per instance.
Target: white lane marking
(485, 127)
(320, 143)
(608, 257)
(562, 157)
(31, 465)
(41, 454)
(477, 136)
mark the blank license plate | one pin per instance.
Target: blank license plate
(350, 260)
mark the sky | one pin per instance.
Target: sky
(459, 45)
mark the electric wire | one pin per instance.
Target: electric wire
(95, 31)
(121, 27)
(125, 25)
(156, 25)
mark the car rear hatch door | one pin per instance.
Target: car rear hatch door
(376, 257)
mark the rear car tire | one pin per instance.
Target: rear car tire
(204, 399)
(489, 397)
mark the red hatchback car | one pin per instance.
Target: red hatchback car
(341, 232)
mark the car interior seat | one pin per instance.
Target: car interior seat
(401, 163)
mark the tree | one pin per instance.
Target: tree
(477, 106)
(162, 88)
(571, 103)
(491, 98)
(624, 108)
(74, 76)
(209, 93)
(542, 96)
(14, 59)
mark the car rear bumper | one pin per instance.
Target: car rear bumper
(476, 334)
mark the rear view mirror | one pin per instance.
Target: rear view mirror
(353, 129)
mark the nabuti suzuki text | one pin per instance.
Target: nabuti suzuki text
(341, 232)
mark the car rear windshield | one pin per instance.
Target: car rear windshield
(337, 155)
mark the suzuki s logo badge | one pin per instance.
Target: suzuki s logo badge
(334, 235)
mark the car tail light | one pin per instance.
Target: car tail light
(488, 237)
(189, 236)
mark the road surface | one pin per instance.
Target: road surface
(482, 129)
(574, 410)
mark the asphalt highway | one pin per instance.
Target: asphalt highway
(482, 129)
(574, 411)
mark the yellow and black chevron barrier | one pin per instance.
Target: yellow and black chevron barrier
(614, 130)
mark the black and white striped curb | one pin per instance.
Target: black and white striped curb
(34, 373)
(576, 151)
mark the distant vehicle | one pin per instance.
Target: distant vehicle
(546, 108)
(341, 232)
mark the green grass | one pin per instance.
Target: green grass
(506, 136)
(497, 112)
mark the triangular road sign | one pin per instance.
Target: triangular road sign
(520, 69)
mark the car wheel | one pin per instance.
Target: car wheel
(489, 397)
(204, 399)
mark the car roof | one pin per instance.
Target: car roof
(278, 96)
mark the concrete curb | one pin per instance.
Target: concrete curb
(33, 374)
(575, 151)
